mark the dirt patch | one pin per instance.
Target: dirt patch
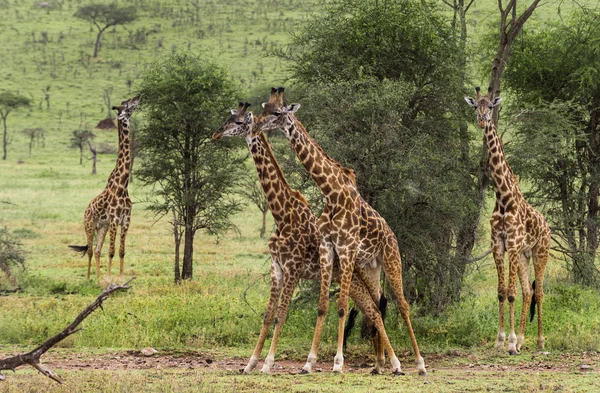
(134, 360)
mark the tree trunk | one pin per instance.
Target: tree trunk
(188, 253)
(5, 139)
(81, 154)
(263, 229)
(94, 157)
(98, 38)
(177, 237)
(30, 145)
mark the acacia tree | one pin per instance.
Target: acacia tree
(557, 114)
(34, 135)
(194, 179)
(79, 140)
(8, 102)
(104, 16)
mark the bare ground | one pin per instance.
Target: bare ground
(586, 362)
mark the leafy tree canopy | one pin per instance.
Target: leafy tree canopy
(106, 15)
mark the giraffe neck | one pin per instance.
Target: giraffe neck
(324, 170)
(120, 175)
(505, 184)
(270, 175)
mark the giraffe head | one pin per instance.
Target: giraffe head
(125, 110)
(275, 113)
(239, 123)
(483, 105)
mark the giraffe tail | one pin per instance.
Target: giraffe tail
(354, 313)
(532, 307)
(350, 324)
(82, 249)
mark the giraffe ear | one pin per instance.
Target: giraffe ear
(496, 101)
(234, 111)
(264, 104)
(471, 101)
(115, 108)
(292, 108)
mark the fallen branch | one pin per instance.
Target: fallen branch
(33, 358)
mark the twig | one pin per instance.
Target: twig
(480, 257)
(33, 358)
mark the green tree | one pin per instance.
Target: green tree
(10, 255)
(79, 140)
(34, 135)
(381, 89)
(194, 179)
(9, 102)
(104, 16)
(554, 75)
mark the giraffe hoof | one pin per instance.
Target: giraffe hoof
(398, 372)
(422, 372)
(303, 371)
(513, 352)
(376, 372)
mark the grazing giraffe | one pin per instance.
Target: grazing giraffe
(517, 228)
(112, 207)
(294, 247)
(351, 230)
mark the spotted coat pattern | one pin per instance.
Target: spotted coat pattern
(112, 208)
(352, 232)
(294, 246)
(517, 229)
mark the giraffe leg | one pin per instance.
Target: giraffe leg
(514, 257)
(326, 268)
(89, 232)
(392, 265)
(540, 258)
(276, 285)
(290, 281)
(363, 300)
(498, 251)
(370, 278)
(124, 229)
(526, 292)
(112, 235)
(101, 234)
(347, 258)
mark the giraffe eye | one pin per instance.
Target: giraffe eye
(276, 113)
(239, 123)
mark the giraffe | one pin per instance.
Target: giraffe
(112, 207)
(294, 247)
(351, 230)
(516, 228)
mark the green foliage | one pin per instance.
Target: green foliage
(554, 77)
(11, 254)
(184, 97)
(380, 97)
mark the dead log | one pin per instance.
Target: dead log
(33, 358)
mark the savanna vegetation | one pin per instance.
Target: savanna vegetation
(381, 85)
